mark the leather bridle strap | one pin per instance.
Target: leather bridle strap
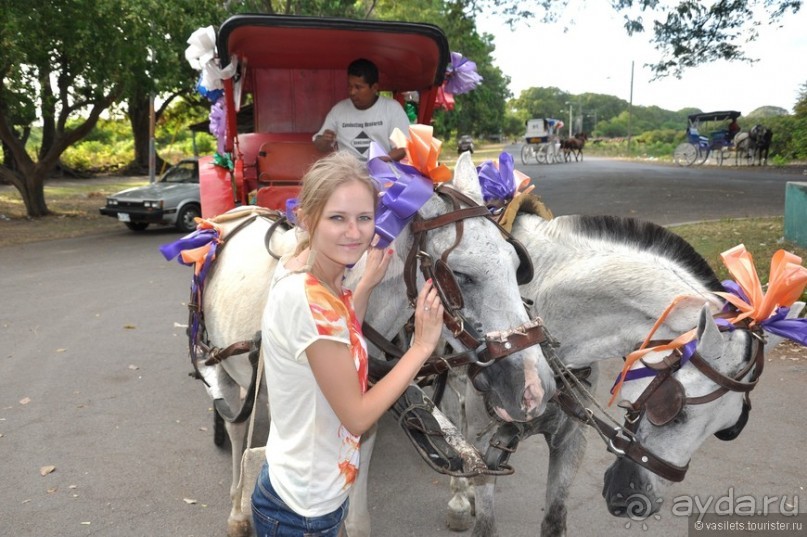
(621, 444)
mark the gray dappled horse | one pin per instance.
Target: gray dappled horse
(236, 292)
(600, 284)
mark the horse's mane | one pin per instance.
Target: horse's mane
(649, 237)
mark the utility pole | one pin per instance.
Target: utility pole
(630, 108)
(570, 117)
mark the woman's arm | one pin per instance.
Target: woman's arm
(336, 376)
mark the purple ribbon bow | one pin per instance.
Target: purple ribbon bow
(405, 191)
(778, 323)
(461, 75)
(497, 184)
(218, 128)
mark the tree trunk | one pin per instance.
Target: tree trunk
(30, 183)
(34, 196)
(139, 119)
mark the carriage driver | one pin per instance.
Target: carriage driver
(734, 128)
(363, 117)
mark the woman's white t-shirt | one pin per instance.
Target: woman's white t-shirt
(313, 459)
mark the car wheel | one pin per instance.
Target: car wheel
(137, 226)
(185, 218)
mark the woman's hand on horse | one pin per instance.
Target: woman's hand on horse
(428, 319)
(375, 268)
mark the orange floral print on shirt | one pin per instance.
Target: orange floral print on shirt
(331, 314)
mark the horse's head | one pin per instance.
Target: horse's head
(673, 412)
(479, 272)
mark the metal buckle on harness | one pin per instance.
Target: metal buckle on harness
(612, 448)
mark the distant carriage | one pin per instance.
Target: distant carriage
(541, 141)
(719, 143)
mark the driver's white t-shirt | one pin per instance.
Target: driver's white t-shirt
(355, 128)
(313, 459)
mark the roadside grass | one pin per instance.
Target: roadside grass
(74, 204)
(762, 237)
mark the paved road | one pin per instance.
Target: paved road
(665, 194)
(93, 380)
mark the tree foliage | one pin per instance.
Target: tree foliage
(686, 33)
(64, 62)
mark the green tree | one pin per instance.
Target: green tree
(482, 110)
(160, 30)
(59, 60)
(686, 33)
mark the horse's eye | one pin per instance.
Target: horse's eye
(462, 279)
(681, 418)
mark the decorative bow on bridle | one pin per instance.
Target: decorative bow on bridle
(501, 182)
(405, 187)
(760, 309)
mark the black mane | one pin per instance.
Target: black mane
(649, 237)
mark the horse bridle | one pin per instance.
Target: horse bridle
(485, 350)
(663, 400)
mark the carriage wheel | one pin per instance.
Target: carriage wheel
(527, 153)
(685, 154)
(541, 154)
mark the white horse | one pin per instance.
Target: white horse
(485, 266)
(601, 283)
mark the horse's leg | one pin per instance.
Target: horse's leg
(238, 523)
(357, 523)
(567, 442)
(567, 445)
(460, 507)
(484, 486)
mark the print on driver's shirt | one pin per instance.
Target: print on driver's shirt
(362, 143)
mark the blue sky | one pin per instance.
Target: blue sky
(595, 56)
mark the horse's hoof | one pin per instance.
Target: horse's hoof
(459, 516)
(459, 521)
(239, 528)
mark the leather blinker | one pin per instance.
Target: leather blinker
(665, 403)
(525, 271)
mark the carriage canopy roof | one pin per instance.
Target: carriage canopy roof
(409, 56)
(714, 116)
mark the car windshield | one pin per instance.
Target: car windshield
(184, 172)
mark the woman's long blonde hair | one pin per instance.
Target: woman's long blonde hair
(319, 184)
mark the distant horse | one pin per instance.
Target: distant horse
(574, 146)
(760, 143)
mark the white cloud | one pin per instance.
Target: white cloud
(595, 56)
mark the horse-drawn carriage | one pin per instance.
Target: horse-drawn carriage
(541, 141)
(699, 147)
(280, 64)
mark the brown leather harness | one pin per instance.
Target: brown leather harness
(661, 402)
(482, 351)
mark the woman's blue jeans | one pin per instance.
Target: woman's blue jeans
(273, 518)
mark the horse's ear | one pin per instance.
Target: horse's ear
(710, 342)
(466, 180)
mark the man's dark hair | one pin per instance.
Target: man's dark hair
(365, 69)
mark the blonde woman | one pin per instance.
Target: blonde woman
(316, 357)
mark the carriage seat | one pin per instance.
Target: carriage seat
(280, 166)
